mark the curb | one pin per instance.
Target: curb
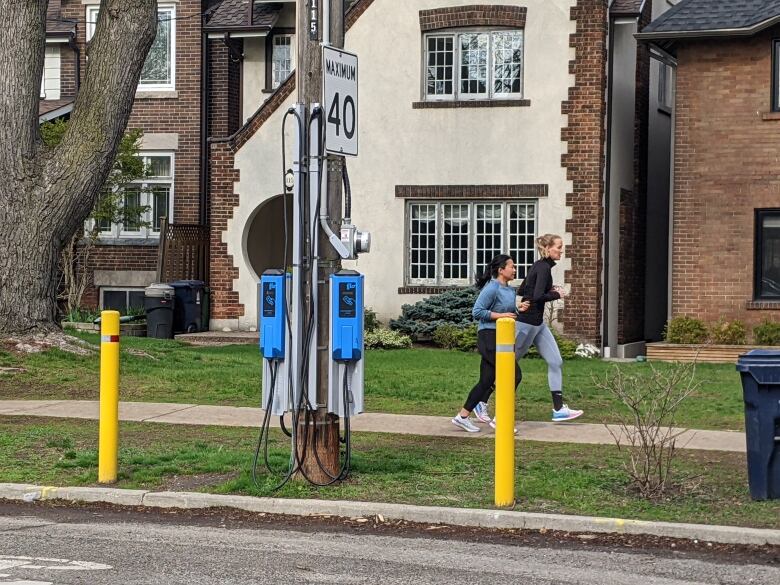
(501, 519)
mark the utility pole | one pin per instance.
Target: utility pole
(321, 457)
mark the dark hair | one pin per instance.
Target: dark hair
(491, 270)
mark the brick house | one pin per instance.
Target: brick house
(456, 163)
(725, 241)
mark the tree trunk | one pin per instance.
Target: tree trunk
(48, 192)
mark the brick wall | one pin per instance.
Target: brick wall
(224, 88)
(177, 112)
(474, 15)
(67, 72)
(584, 162)
(725, 167)
(119, 258)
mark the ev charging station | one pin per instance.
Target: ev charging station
(288, 304)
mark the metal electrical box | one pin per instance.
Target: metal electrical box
(272, 314)
(345, 367)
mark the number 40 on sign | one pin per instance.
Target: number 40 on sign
(340, 96)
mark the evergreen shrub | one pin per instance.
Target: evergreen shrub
(728, 332)
(420, 320)
(768, 333)
(460, 338)
(370, 321)
(685, 330)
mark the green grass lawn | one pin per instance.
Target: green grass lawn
(553, 478)
(414, 381)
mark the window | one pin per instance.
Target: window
(776, 75)
(449, 242)
(767, 255)
(474, 65)
(145, 202)
(282, 59)
(121, 299)
(159, 71)
(665, 86)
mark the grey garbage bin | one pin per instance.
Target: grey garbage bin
(760, 372)
(159, 300)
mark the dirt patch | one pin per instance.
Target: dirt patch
(189, 483)
(38, 342)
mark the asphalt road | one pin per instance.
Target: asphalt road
(43, 546)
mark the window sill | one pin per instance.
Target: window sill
(167, 94)
(766, 305)
(768, 116)
(421, 289)
(664, 110)
(434, 104)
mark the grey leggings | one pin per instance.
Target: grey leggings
(541, 336)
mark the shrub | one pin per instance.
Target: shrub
(768, 333)
(728, 333)
(82, 315)
(381, 338)
(370, 322)
(685, 330)
(420, 320)
(451, 337)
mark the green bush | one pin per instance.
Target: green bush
(370, 322)
(420, 320)
(728, 332)
(451, 337)
(381, 338)
(567, 348)
(82, 315)
(768, 333)
(685, 330)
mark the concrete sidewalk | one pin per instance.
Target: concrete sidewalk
(437, 426)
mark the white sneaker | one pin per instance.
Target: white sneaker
(481, 412)
(565, 413)
(493, 424)
(465, 424)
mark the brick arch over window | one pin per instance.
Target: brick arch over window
(473, 15)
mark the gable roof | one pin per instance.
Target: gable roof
(233, 15)
(711, 18)
(626, 7)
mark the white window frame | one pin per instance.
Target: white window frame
(473, 267)
(277, 82)
(117, 230)
(457, 94)
(165, 12)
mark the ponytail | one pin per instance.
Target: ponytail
(491, 270)
(544, 242)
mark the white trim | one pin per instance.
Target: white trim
(57, 40)
(92, 12)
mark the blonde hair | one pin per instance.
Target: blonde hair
(544, 242)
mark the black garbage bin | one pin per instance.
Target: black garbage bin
(159, 301)
(188, 311)
(760, 372)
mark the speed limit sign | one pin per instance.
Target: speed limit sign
(340, 96)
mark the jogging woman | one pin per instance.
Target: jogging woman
(532, 330)
(496, 300)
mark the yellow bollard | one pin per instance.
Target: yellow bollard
(505, 412)
(108, 443)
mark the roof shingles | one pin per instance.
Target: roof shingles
(692, 16)
(234, 15)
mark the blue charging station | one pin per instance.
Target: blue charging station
(273, 297)
(347, 315)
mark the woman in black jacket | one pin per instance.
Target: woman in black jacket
(532, 330)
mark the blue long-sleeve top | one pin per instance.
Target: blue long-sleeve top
(494, 298)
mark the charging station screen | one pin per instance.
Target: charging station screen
(347, 299)
(269, 299)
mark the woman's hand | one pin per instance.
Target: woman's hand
(524, 306)
(504, 316)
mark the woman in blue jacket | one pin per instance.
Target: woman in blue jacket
(496, 300)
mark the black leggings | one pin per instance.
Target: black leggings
(486, 345)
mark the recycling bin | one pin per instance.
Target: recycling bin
(760, 373)
(159, 301)
(191, 295)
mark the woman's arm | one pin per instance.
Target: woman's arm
(541, 293)
(485, 300)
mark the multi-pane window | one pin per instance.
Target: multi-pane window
(767, 254)
(124, 300)
(474, 65)
(282, 57)
(144, 203)
(449, 242)
(665, 86)
(159, 70)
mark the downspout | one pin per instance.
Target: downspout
(75, 48)
(204, 127)
(606, 199)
